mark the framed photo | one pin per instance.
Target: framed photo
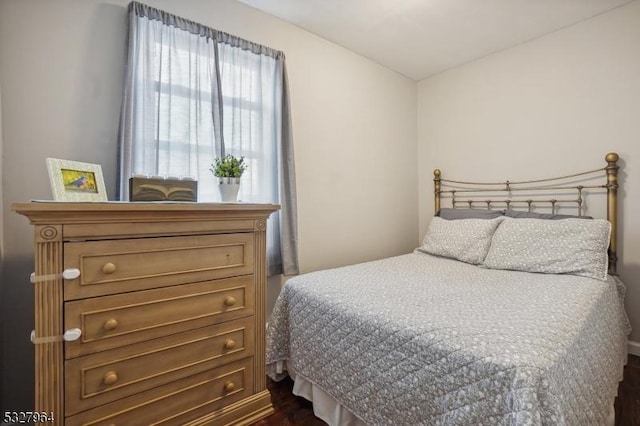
(76, 181)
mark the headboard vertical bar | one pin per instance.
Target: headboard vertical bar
(612, 208)
(579, 200)
(436, 189)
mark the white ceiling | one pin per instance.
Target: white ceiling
(419, 38)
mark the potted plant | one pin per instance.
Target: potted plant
(228, 171)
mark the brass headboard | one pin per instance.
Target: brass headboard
(568, 190)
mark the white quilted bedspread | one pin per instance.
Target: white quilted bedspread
(422, 340)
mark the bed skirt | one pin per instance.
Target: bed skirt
(325, 407)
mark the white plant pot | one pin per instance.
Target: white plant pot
(228, 187)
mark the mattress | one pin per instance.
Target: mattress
(419, 339)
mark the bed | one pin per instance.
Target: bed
(506, 317)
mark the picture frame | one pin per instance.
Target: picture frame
(75, 181)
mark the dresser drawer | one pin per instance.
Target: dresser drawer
(177, 402)
(104, 377)
(112, 321)
(109, 267)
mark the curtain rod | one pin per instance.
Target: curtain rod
(146, 11)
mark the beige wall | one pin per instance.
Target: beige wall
(554, 105)
(61, 73)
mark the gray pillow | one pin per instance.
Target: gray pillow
(531, 215)
(467, 240)
(570, 246)
(455, 214)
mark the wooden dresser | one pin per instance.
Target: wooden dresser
(170, 307)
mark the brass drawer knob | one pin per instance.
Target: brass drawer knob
(108, 268)
(110, 378)
(229, 386)
(110, 324)
(229, 344)
(230, 301)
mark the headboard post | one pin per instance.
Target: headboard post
(436, 189)
(612, 208)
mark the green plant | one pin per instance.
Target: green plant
(228, 166)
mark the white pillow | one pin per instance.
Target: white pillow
(467, 240)
(568, 246)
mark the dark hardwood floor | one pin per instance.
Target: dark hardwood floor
(628, 401)
(292, 410)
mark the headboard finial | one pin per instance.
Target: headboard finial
(436, 189)
(611, 157)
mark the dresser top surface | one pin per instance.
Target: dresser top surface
(72, 212)
(117, 206)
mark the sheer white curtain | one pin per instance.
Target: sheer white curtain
(250, 126)
(193, 93)
(173, 90)
(251, 113)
